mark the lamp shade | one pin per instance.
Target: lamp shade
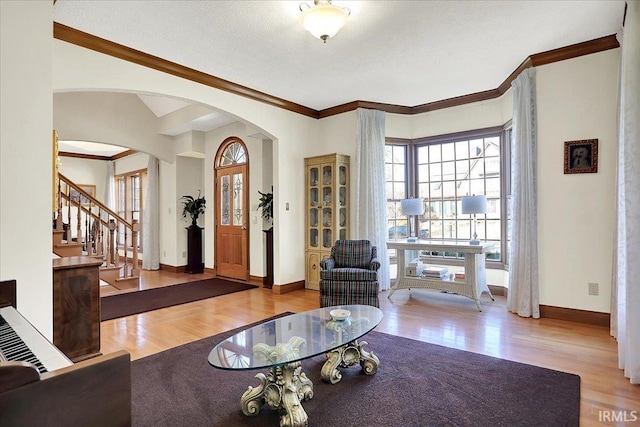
(324, 20)
(474, 204)
(411, 207)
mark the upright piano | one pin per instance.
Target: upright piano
(40, 386)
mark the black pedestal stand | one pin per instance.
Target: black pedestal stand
(194, 250)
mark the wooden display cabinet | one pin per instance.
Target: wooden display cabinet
(327, 210)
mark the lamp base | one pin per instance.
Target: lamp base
(474, 242)
(412, 239)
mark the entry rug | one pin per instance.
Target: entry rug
(115, 306)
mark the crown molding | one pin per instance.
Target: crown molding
(96, 157)
(89, 41)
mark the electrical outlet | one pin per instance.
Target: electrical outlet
(593, 288)
(184, 254)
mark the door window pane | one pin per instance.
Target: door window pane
(238, 213)
(225, 203)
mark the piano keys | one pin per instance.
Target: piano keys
(20, 341)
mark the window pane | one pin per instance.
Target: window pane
(448, 170)
(399, 190)
(423, 154)
(398, 172)
(436, 190)
(462, 150)
(434, 153)
(462, 169)
(423, 173)
(448, 151)
(399, 154)
(435, 172)
(449, 190)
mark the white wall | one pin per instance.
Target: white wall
(86, 171)
(127, 164)
(120, 119)
(26, 156)
(577, 99)
(170, 216)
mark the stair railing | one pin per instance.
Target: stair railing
(104, 230)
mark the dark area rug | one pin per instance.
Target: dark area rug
(418, 384)
(114, 306)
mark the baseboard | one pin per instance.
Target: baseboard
(574, 315)
(173, 269)
(288, 287)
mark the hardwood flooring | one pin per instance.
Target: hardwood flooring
(429, 316)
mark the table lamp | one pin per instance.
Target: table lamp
(473, 205)
(411, 207)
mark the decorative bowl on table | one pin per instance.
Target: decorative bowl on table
(339, 314)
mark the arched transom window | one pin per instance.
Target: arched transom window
(233, 154)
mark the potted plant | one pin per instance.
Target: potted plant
(266, 206)
(266, 212)
(193, 207)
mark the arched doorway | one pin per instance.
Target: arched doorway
(231, 192)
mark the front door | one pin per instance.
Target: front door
(232, 259)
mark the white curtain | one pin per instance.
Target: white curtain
(151, 222)
(625, 289)
(370, 196)
(523, 297)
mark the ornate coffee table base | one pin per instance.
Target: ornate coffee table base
(283, 388)
(346, 356)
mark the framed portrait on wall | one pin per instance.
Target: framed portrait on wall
(581, 156)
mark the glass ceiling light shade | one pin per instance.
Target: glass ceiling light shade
(323, 20)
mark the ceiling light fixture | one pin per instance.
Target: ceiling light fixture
(323, 20)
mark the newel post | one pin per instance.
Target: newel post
(135, 232)
(111, 259)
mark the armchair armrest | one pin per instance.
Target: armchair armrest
(374, 264)
(327, 264)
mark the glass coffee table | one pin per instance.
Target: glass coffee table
(279, 346)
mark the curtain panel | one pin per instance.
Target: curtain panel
(625, 289)
(370, 199)
(151, 219)
(523, 296)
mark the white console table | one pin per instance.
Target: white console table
(474, 283)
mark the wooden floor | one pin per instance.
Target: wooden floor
(429, 316)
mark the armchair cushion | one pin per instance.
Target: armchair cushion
(352, 253)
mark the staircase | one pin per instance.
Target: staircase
(84, 226)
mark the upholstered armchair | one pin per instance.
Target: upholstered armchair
(350, 274)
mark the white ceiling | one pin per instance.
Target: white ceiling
(89, 148)
(395, 52)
